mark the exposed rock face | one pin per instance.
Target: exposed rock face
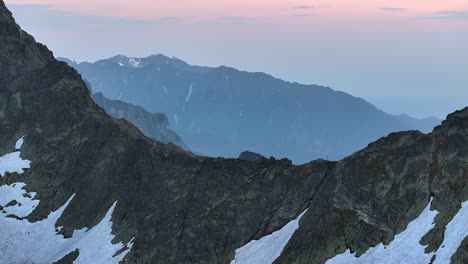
(222, 111)
(252, 156)
(154, 125)
(170, 206)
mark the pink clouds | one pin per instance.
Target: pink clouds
(205, 9)
(365, 47)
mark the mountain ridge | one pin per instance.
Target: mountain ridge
(150, 202)
(120, 57)
(154, 125)
(266, 114)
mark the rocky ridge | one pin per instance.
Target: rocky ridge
(166, 205)
(154, 125)
(221, 111)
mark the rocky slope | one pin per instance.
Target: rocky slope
(154, 125)
(222, 111)
(79, 186)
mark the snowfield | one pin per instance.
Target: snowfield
(405, 248)
(39, 242)
(12, 162)
(268, 248)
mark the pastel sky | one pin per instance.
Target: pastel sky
(404, 56)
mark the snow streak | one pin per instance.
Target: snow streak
(40, 242)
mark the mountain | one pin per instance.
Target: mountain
(223, 112)
(78, 186)
(154, 125)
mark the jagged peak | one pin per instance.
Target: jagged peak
(33, 55)
(4, 10)
(141, 62)
(7, 21)
(250, 156)
(462, 113)
(457, 120)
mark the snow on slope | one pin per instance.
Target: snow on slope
(405, 248)
(12, 162)
(187, 98)
(25, 202)
(39, 242)
(19, 143)
(135, 62)
(454, 234)
(268, 248)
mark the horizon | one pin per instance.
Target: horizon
(405, 58)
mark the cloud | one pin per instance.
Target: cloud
(457, 14)
(393, 9)
(47, 17)
(233, 18)
(302, 15)
(302, 7)
(227, 20)
(449, 14)
(29, 6)
(238, 20)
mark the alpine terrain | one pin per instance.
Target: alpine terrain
(78, 186)
(154, 125)
(222, 111)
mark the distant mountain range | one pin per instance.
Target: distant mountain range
(154, 125)
(223, 112)
(79, 186)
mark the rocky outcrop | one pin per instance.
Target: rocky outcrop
(251, 156)
(154, 125)
(167, 205)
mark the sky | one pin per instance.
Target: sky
(403, 56)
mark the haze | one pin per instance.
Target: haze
(404, 56)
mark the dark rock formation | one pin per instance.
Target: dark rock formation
(181, 208)
(251, 156)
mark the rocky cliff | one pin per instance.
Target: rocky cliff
(79, 186)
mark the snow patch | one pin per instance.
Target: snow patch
(405, 248)
(19, 143)
(187, 99)
(121, 64)
(12, 162)
(268, 248)
(26, 242)
(165, 90)
(455, 232)
(15, 192)
(135, 62)
(39, 242)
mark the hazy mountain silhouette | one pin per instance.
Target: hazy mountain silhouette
(223, 112)
(155, 125)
